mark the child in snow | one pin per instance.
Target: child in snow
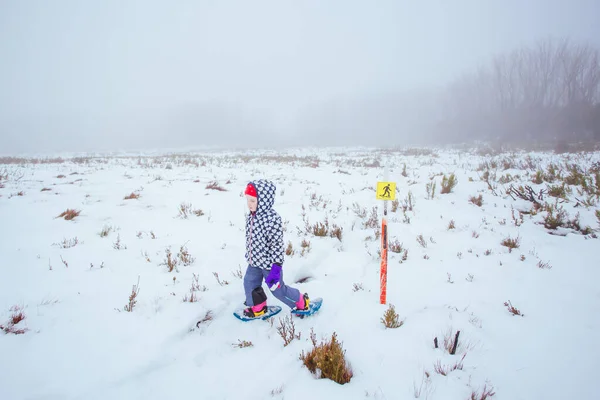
(264, 253)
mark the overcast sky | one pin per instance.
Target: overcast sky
(83, 75)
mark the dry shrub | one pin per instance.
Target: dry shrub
(451, 225)
(105, 231)
(448, 183)
(373, 221)
(133, 297)
(207, 317)
(68, 243)
(357, 286)
(391, 319)
(215, 186)
(287, 330)
(242, 343)
(513, 310)
(511, 243)
(184, 256)
(328, 360)
(170, 261)
(69, 214)
(446, 369)
(478, 201)
(598, 216)
(485, 393)
(422, 241)
(16, 317)
(132, 196)
(289, 251)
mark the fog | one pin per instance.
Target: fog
(109, 75)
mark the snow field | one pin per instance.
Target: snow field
(81, 343)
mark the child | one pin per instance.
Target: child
(264, 253)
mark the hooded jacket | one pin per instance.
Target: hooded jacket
(264, 230)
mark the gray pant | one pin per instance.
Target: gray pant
(254, 278)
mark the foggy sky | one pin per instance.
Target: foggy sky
(81, 75)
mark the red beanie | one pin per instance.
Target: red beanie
(250, 190)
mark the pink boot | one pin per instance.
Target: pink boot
(303, 302)
(257, 310)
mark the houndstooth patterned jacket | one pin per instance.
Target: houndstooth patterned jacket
(264, 230)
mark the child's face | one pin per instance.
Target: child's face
(252, 202)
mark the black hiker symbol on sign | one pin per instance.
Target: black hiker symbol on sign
(386, 191)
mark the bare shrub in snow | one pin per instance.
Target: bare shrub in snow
(133, 297)
(511, 243)
(67, 243)
(105, 231)
(485, 393)
(215, 186)
(219, 281)
(373, 221)
(448, 183)
(207, 317)
(511, 309)
(305, 245)
(446, 369)
(422, 241)
(132, 196)
(327, 360)
(357, 286)
(117, 245)
(238, 273)
(451, 224)
(11, 325)
(184, 256)
(430, 189)
(69, 214)
(289, 251)
(478, 201)
(287, 330)
(242, 344)
(391, 319)
(322, 229)
(185, 210)
(170, 262)
(543, 265)
(408, 203)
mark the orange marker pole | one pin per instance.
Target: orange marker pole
(384, 249)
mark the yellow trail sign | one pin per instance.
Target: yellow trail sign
(386, 191)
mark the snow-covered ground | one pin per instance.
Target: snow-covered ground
(81, 343)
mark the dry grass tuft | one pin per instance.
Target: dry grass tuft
(69, 214)
(327, 360)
